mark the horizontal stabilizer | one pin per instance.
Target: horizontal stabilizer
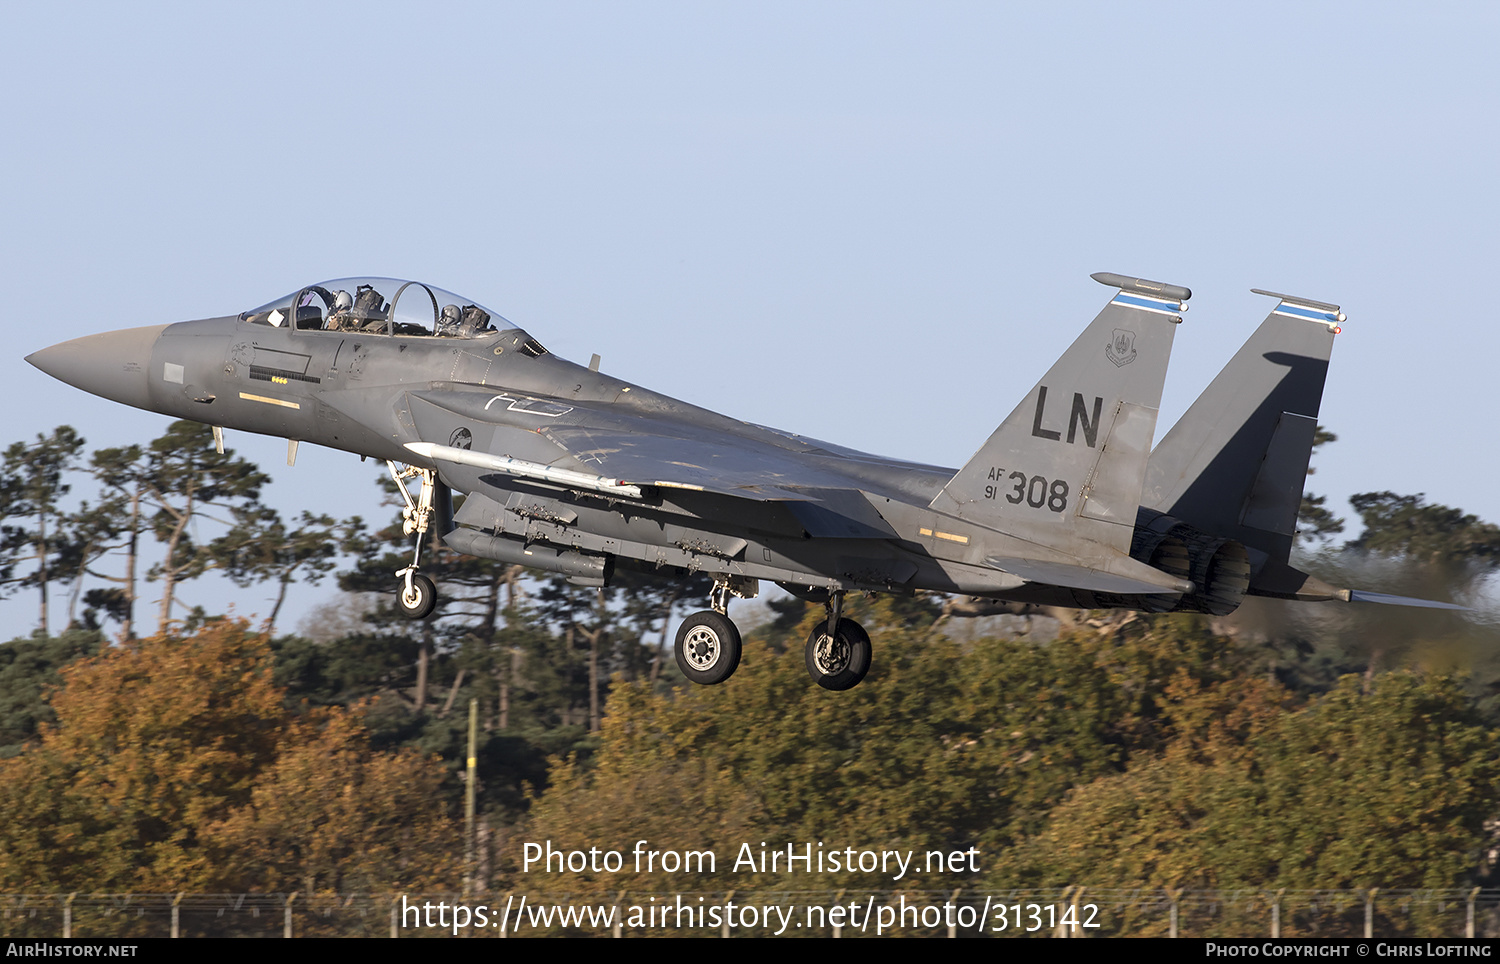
(1278, 580)
(1281, 581)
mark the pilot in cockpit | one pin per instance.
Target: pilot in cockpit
(450, 321)
(364, 312)
(340, 318)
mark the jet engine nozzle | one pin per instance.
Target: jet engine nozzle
(1219, 567)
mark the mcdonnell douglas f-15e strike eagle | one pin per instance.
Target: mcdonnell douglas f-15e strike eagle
(569, 470)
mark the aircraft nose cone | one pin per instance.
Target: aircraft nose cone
(112, 365)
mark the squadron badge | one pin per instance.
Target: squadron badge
(1121, 350)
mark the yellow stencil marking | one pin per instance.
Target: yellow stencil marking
(269, 401)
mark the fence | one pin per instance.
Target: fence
(1065, 912)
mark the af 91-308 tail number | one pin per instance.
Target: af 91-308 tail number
(1035, 490)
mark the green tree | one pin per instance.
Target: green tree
(259, 548)
(941, 748)
(1408, 525)
(1415, 548)
(938, 749)
(650, 605)
(85, 537)
(1388, 785)
(185, 477)
(470, 590)
(32, 486)
(1315, 521)
(593, 617)
(123, 475)
(29, 667)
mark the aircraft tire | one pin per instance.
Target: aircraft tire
(708, 648)
(420, 601)
(838, 664)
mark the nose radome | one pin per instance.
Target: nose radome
(112, 365)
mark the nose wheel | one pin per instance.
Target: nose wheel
(417, 597)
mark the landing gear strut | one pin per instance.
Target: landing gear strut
(708, 643)
(838, 650)
(416, 595)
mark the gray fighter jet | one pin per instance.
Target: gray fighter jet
(568, 470)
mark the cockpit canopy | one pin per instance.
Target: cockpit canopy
(379, 306)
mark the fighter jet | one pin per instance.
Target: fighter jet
(569, 470)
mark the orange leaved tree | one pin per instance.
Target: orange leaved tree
(175, 765)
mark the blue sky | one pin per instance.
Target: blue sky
(869, 223)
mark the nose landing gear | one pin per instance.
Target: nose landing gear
(416, 594)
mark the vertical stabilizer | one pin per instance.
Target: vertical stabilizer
(1072, 455)
(1235, 463)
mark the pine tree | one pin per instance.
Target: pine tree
(32, 486)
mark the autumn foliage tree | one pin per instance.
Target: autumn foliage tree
(1390, 787)
(175, 765)
(332, 816)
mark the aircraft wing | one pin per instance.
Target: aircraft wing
(636, 447)
(605, 449)
(688, 457)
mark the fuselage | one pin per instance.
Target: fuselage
(568, 469)
(368, 393)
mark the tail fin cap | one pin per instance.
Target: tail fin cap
(1306, 308)
(1142, 286)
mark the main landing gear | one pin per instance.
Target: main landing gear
(838, 650)
(708, 646)
(416, 595)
